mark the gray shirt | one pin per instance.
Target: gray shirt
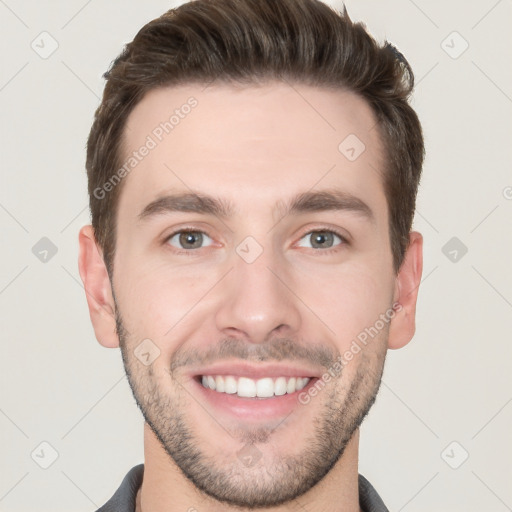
(124, 498)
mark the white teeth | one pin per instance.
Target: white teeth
(246, 387)
(219, 384)
(230, 385)
(265, 387)
(249, 388)
(301, 383)
(280, 386)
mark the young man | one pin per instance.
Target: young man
(253, 169)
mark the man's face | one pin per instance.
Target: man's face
(283, 293)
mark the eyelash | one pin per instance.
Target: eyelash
(190, 252)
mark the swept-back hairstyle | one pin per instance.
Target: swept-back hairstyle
(251, 42)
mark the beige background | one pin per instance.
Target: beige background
(451, 383)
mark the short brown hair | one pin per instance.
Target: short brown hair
(250, 42)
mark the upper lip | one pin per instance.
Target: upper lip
(243, 369)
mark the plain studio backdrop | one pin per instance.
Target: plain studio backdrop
(438, 437)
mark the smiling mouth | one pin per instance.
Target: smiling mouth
(245, 387)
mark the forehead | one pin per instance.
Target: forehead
(255, 145)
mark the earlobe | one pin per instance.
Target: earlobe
(403, 324)
(98, 289)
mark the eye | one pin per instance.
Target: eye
(323, 239)
(187, 239)
(190, 239)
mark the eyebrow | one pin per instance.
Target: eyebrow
(311, 201)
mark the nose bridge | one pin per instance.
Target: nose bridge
(256, 300)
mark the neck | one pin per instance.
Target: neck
(165, 488)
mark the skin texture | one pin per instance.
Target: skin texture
(298, 302)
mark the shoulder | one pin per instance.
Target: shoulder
(369, 499)
(123, 499)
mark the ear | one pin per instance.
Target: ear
(98, 289)
(403, 324)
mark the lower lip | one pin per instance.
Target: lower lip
(255, 408)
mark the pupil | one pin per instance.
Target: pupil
(322, 237)
(188, 238)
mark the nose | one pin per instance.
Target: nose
(257, 299)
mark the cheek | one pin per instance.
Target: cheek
(347, 299)
(158, 299)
